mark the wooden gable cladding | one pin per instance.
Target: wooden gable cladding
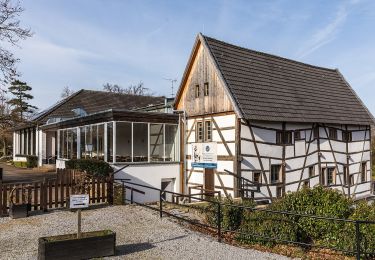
(202, 71)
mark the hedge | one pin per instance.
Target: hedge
(251, 225)
(93, 167)
(31, 161)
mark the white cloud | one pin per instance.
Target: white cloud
(326, 34)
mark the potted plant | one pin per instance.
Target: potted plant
(19, 210)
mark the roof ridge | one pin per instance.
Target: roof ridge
(269, 54)
(118, 93)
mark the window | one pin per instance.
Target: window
(140, 142)
(207, 131)
(332, 134)
(171, 147)
(197, 92)
(311, 171)
(206, 89)
(123, 142)
(347, 136)
(363, 172)
(279, 137)
(279, 192)
(199, 132)
(284, 137)
(346, 173)
(330, 176)
(157, 142)
(275, 173)
(297, 135)
(316, 132)
(257, 177)
(306, 184)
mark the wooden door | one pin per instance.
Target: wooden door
(209, 179)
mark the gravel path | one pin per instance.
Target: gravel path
(141, 234)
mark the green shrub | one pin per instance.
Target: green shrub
(93, 167)
(365, 212)
(31, 161)
(318, 201)
(231, 216)
(259, 224)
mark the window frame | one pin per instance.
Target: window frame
(297, 135)
(347, 136)
(332, 133)
(311, 171)
(199, 132)
(259, 181)
(272, 173)
(197, 91)
(330, 172)
(206, 89)
(207, 131)
(363, 172)
(284, 137)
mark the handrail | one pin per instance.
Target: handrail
(357, 239)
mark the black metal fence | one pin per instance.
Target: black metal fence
(358, 247)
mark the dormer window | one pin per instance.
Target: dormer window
(197, 91)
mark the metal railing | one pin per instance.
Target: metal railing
(358, 224)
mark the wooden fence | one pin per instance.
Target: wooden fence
(55, 192)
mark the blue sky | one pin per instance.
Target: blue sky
(86, 43)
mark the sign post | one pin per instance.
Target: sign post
(79, 202)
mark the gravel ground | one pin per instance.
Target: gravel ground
(141, 234)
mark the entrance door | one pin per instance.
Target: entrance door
(167, 185)
(209, 180)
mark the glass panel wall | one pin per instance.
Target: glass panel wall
(140, 142)
(82, 142)
(123, 142)
(171, 143)
(135, 142)
(156, 142)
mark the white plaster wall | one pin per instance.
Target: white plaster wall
(149, 175)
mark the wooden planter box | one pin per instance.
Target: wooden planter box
(90, 245)
(19, 210)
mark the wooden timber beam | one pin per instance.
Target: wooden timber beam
(260, 160)
(221, 137)
(305, 159)
(334, 158)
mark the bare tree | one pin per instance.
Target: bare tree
(66, 92)
(138, 89)
(10, 32)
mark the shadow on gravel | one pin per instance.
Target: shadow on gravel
(138, 247)
(132, 248)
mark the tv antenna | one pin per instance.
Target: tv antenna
(172, 83)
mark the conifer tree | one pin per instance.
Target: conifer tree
(20, 102)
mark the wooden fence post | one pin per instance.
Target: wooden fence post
(110, 191)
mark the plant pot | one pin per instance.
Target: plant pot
(90, 245)
(19, 210)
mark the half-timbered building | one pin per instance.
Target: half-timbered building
(277, 124)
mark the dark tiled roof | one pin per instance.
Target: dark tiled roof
(95, 101)
(271, 88)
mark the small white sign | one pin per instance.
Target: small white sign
(204, 155)
(79, 201)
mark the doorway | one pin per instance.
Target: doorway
(167, 185)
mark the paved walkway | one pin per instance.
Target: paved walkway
(140, 234)
(13, 174)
